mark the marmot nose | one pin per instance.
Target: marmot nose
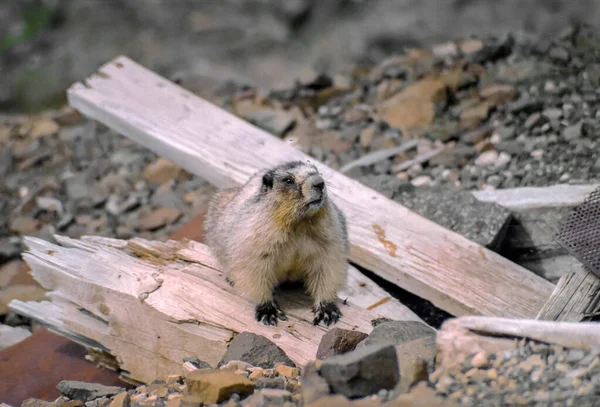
(319, 183)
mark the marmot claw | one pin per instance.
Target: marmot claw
(328, 312)
(268, 313)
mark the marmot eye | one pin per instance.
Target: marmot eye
(288, 181)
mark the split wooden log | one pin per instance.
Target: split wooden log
(152, 304)
(418, 255)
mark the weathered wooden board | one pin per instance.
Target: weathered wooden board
(525, 198)
(575, 298)
(452, 272)
(152, 304)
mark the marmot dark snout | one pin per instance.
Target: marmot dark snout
(281, 226)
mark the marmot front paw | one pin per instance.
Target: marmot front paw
(268, 313)
(328, 312)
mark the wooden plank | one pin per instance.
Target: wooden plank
(526, 198)
(152, 304)
(418, 255)
(576, 297)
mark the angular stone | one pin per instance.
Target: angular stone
(331, 401)
(535, 120)
(84, 391)
(397, 332)
(482, 222)
(573, 132)
(159, 218)
(314, 386)
(24, 225)
(271, 383)
(255, 350)
(274, 121)
(43, 128)
(120, 400)
(287, 371)
(413, 109)
(211, 387)
(33, 402)
(525, 105)
(363, 371)
(161, 171)
(338, 341)
(268, 397)
(498, 94)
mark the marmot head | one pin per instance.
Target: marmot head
(298, 190)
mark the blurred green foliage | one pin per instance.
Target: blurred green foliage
(35, 17)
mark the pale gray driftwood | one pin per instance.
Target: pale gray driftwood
(454, 273)
(152, 304)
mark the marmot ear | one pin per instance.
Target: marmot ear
(268, 179)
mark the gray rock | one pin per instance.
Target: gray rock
(559, 54)
(167, 198)
(506, 132)
(338, 341)
(268, 397)
(313, 385)
(6, 162)
(525, 105)
(65, 221)
(275, 122)
(553, 113)
(458, 210)
(197, 363)
(535, 120)
(78, 187)
(9, 250)
(362, 372)
(255, 350)
(397, 332)
(84, 391)
(270, 383)
(573, 132)
(510, 147)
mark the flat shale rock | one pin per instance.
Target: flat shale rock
(85, 392)
(338, 341)
(397, 332)
(255, 350)
(268, 397)
(363, 371)
(11, 335)
(215, 386)
(459, 211)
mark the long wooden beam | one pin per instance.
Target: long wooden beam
(452, 272)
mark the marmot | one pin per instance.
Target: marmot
(280, 226)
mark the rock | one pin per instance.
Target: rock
(413, 109)
(276, 122)
(363, 371)
(84, 391)
(559, 54)
(24, 225)
(12, 335)
(421, 180)
(525, 105)
(255, 350)
(477, 135)
(23, 292)
(480, 360)
(6, 162)
(287, 371)
(32, 402)
(8, 251)
(165, 197)
(271, 383)
(487, 158)
(331, 401)
(43, 128)
(161, 171)
(459, 211)
(314, 386)
(512, 147)
(78, 187)
(421, 395)
(268, 397)
(471, 46)
(535, 120)
(100, 402)
(498, 94)
(120, 400)
(573, 132)
(197, 363)
(367, 135)
(474, 115)
(553, 113)
(397, 332)
(159, 218)
(68, 116)
(49, 204)
(416, 359)
(211, 387)
(505, 132)
(338, 341)
(445, 50)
